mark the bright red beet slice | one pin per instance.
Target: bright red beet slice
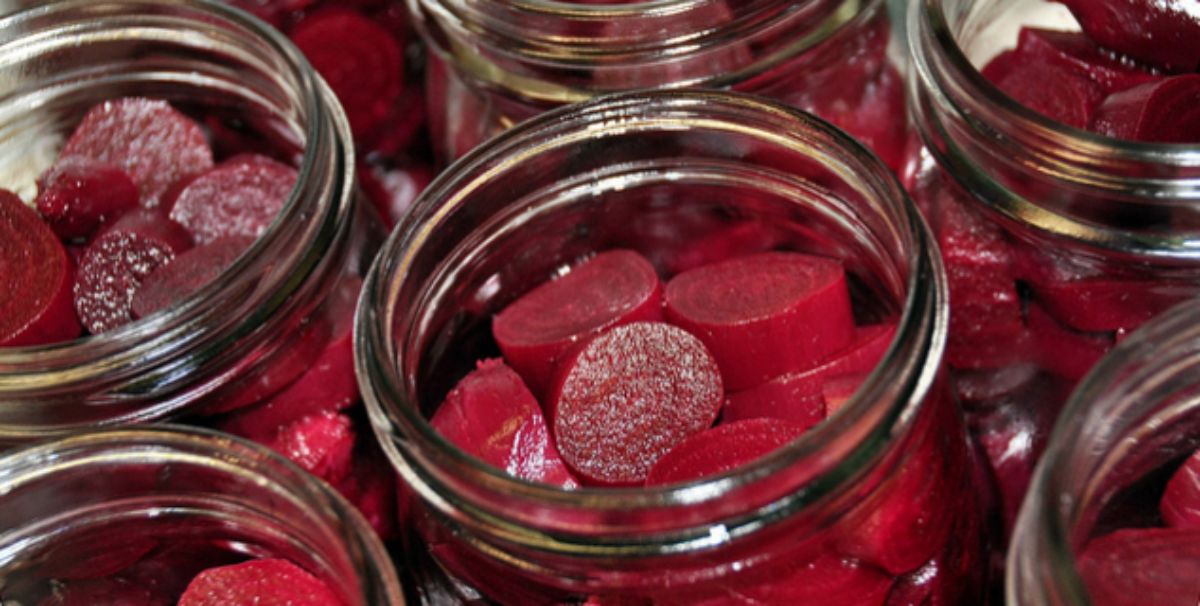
(240, 197)
(147, 139)
(108, 591)
(1140, 566)
(1180, 505)
(764, 315)
(1103, 304)
(492, 415)
(321, 444)
(360, 60)
(36, 278)
(1048, 88)
(722, 448)
(1065, 352)
(1164, 111)
(265, 582)
(190, 271)
(629, 396)
(614, 287)
(79, 194)
(114, 265)
(1163, 34)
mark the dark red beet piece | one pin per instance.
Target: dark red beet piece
(79, 194)
(265, 582)
(361, 61)
(147, 139)
(630, 395)
(1048, 88)
(393, 191)
(1140, 566)
(1164, 111)
(722, 448)
(190, 271)
(492, 414)
(107, 591)
(1076, 52)
(828, 581)
(732, 241)
(1163, 34)
(169, 569)
(96, 557)
(372, 489)
(1180, 505)
(114, 265)
(321, 444)
(36, 277)
(240, 197)
(764, 315)
(614, 287)
(1103, 304)
(1065, 352)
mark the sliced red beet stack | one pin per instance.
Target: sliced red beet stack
(147, 139)
(614, 287)
(630, 395)
(1162, 34)
(492, 415)
(258, 583)
(1141, 566)
(79, 194)
(36, 279)
(764, 315)
(240, 197)
(722, 448)
(1163, 111)
(1180, 505)
(190, 271)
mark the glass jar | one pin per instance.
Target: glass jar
(493, 64)
(656, 172)
(247, 334)
(154, 506)
(1122, 435)
(1056, 241)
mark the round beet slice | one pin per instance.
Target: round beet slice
(258, 583)
(764, 315)
(1163, 34)
(1180, 505)
(240, 197)
(35, 279)
(724, 447)
(80, 194)
(630, 395)
(147, 139)
(1164, 111)
(187, 273)
(614, 287)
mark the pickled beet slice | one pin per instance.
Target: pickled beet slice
(372, 489)
(722, 448)
(393, 191)
(492, 415)
(190, 271)
(240, 197)
(732, 241)
(147, 139)
(1180, 505)
(764, 315)
(1139, 566)
(1076, 52)
(108, 591)
(614, 287)
(36, 278)
(79, 194)
(1164, 111)
(1163, 34)
(263, 582)
(1048, 88)
(1103, 304)
(1063, 351)
(630, 395)
(828, 581)
(114, 265)
(320, 444)
(360, 60)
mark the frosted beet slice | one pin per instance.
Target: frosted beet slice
(614, 287)
(190, 271)
(79, 194)
(1140, 566)
(36, 278)
(147, 139)
(492, 415)
(265, 582)
(722, 448)
(764, 315)
(1163, 34)
(240, 197)
(1163, 111)
(1180, 505)
(630, 395)
(321, 444)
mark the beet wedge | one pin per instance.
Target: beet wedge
(722, 448)
(1163, 111)
(1162, 34)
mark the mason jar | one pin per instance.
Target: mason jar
(247, 334)
(655, 172)
(1098, 497)
(151, 508)
(1057, 241)
(493, 64)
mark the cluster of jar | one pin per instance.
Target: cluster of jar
(712, 302)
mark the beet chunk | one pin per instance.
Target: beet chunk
(1134, 567)
(154, 144)
(1163, 111)
(1048, 88)
(265, 582)
(320, 444)
(614, 287)
(1180, 505)
(724, 447)
(80, 194)
(36, 279)
(1163, 34)
(630, 395)
(190, 271)
(240, 197)
(764, 315)
(1065, 352)
(1077, 53)
(492, 415)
